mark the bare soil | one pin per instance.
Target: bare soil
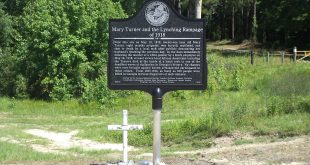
(227, 45)
(294, 150)
(62, 141)
(225, 151)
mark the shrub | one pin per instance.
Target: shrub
(64, 45)
(179, 94)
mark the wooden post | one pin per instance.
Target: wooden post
(282, 59)
(252, 57)
(295, 53)
(268, 54)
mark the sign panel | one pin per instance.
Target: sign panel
(157, 48)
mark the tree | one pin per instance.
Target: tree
(65, 45)
(15, 7)
(7, 58)
(254, 24)
(281, 24)
(198, 8)
(235, 6)
(130, 6)
(6, 28)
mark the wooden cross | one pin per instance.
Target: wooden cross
(125, 128)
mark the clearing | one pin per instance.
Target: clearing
(293, 150)
(238, 148)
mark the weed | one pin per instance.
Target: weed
(237, 82)
(266, 99)
(13, 152)
(243, 141)
(202, 143)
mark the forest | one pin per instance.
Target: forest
(281, 23)
(57, 50)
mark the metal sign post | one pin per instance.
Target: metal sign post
(157, 107)
(125, 128)
(157, 51)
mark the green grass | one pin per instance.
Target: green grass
(10, 153)
(264, 99)
(284, 125)
(243, 141)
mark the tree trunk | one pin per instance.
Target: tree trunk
(264, 35)
(233, 24)
(178, 6)
(247, 20)
(286, 37)
(254, 24)
(242, 22)
(223, 20)
(189, 12)
(198, 7)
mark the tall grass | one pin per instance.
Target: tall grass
(243, 97)
(10, 153)
(263, 99)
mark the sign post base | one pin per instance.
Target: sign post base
(156, 137)
(157, 107)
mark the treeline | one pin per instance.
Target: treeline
(57, 50)
(280, 23)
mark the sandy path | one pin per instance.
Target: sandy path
(62, 141)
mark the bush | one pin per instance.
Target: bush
(64, 46)
(9, 80)
(179, 94)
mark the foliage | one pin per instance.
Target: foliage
(6, 29)
(275, 23)
(97, 90)
(236, 81)
(15, 7)
(224, 75)
(58, 50)
(179, 94)
(286, 83)
(286, 92)
(268, 103)
(65, 45)
(130, 6)
(285, 21)
(7, 74)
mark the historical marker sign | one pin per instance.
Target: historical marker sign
(157, 51)
(157, 48)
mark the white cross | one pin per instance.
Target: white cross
(125, 128)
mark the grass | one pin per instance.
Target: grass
(284, 125)
(89, 153)
(10, 153)
(265, 99)
(243, 141)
